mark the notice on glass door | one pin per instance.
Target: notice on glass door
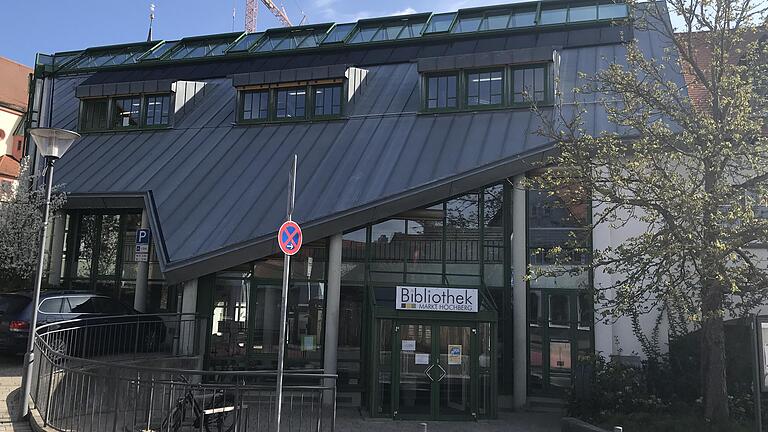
(454, 354)
(408, 345)
(421, 359)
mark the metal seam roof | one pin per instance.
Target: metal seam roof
(218, 189)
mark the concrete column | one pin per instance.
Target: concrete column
(57, 250)
(187, 331)
(601, 240)
(333, 296)
(519, 294)
(142, 274)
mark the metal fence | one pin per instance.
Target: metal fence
(133, 375)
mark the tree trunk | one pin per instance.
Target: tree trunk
(713, 383)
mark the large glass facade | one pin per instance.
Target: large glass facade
(246, 313)
(559, 306)
(98, 255)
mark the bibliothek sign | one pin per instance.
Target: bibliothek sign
(436, 299)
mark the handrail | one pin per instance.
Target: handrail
(74, 391)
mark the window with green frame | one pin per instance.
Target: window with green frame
(125, 112)
(529, 84)
(442, 91)
(285, 103)
(485, 88)
(94, 114)
(473, 89)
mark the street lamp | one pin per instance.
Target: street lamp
(51, 144)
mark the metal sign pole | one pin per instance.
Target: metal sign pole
(284, 300)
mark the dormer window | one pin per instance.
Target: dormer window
(125, 112)
(487, 88)
(157, 109)
(94, 114)
(284, 102)
(291, 103)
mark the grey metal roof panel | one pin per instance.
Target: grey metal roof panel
(218, 190)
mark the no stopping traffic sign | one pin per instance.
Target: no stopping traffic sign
(289, 237)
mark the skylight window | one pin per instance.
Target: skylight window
(467, 24)
(160, 51)
(201, 48)
(108, 57)
(297, 38)
(582, 13)
(495, 22)
(339, 33)
(440, 23)
(523, 18)
(553, 16)
(389, 30)
(364, 35)
(611, 11)
(246, 42)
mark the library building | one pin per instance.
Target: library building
(415, 141)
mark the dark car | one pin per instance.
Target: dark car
(112, 326)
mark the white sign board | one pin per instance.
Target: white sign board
(408, 345)
(421, 359)
(436, 299)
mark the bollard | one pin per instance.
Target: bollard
(618, 429)
(422, 427)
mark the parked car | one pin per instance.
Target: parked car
(113, 327)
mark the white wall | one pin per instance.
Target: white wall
(8, 122)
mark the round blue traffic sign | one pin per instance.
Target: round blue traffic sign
(289, 237)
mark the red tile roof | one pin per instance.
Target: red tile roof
(702, 55)
(14, 84)
(9, 167)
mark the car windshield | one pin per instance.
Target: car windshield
(12, 303)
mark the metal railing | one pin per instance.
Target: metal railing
(128, 374)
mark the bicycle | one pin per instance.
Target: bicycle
(212, 413)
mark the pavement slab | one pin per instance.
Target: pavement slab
(10, 381)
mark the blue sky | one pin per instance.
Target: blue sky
(48, 26)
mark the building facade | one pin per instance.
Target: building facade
(14, 86)
(415, 140)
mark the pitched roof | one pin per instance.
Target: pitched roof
(216, 190)
(14, 84)
(9, 167)
(700, 45)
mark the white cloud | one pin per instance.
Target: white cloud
(406, 11)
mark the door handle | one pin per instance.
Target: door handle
(443, 373)
(426, 372)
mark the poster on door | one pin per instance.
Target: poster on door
(454, 354)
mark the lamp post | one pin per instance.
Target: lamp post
(51, 143)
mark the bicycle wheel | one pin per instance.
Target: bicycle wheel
(220, 414)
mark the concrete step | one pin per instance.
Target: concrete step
(546, 405)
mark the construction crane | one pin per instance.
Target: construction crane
(252, 13)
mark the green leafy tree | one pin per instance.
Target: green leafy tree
(693, 175)
(21, 222)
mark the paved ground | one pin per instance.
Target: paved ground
(10, 380)
(349, 420)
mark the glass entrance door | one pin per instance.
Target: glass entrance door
(435, 367)
(415, 385)
(560, 329)
(454, 367)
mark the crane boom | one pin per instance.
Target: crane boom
(252, 13)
